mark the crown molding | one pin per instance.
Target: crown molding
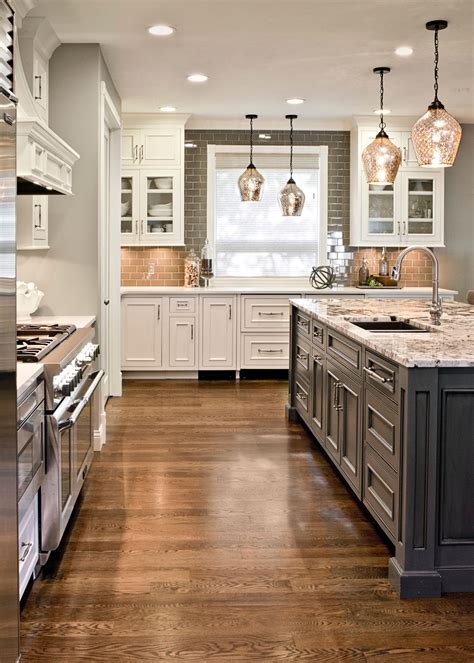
(267, 124)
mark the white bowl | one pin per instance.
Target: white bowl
(163, 182)
(125, 208)
(28, 299)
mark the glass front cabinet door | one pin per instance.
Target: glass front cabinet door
(130, 208)
(160, 207)
(381, 212)
(422, 208)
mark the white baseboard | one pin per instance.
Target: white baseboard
(160, 375)
(100, 434)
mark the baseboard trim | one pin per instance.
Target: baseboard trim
(160, 375)
(414, 584)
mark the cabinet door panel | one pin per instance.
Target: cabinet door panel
(130, 206)
(422, 209)
(350, 430)
(160, 207)
(317, 395)
(131, 141)
(332, 415)
(161, 147)
(218, 332)
(182, 342)
(141, 333)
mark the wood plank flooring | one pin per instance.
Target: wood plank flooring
(211, 529)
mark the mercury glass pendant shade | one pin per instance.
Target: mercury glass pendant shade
(436, 137)
(251, 184)
(291, 199)
(381, 160)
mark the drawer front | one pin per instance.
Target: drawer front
(303, 357)
(30, 403)
(382, 374)
(345, 351)
(318, 334)
(265, 351)
(382, 428)
(182, 304)
(28, 545)
(266, 313)
(302, 398)
(381, 492)
(303, 324)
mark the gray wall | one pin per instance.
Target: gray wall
(68, 273)
(457, 259)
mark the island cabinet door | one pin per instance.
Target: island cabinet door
(317, 394)
(350, 436)
(333, 385)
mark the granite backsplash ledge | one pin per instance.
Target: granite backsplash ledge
(169, 261)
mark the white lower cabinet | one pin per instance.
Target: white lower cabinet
(218, 332)
(182, 343)
(142, 325)
(265, 351)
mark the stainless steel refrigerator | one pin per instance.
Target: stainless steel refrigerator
(9, 605)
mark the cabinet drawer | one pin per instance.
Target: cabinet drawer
(28, 545)
(302, 398)
(265, 351)
(382, 374)
(303, 324)
(182, 304)
(318, 333)
(382, 428)
(266, 313)
(302, 357)
(381, 491)
(345, 351)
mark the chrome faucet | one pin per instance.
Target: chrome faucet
(436, 309)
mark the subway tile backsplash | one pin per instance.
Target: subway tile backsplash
(169, 261)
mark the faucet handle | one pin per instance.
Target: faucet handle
(436, 311)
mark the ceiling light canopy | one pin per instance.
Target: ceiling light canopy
(404, 51)
(385, 111)
(197, 78)
(381, 159)
(437, 134)
(291, 197)
(251, 181)
(161, 30)
(295, 101)
(167, 109)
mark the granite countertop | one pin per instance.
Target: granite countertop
(79, 321)
(284, 289)
(26, 375)
(449, 345)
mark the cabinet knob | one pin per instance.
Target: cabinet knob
(106, 302)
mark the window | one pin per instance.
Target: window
(254, 240)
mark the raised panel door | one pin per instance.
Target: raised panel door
(141, 333)
(332, 415)
(182, 342)
(350, 430)
(317, 395)
(131, 143)
(161, 146)
(218, 332)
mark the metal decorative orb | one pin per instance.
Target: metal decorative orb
(322, 277)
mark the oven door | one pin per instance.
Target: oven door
(69, 451)
(30, 458)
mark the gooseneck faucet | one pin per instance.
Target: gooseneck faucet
(436, 309)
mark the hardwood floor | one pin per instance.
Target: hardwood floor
(211, 529)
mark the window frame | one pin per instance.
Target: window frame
(318, 150)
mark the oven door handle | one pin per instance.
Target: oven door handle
(81, 403)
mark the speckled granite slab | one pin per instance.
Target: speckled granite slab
(449, 345)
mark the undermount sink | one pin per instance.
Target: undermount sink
(388, 326)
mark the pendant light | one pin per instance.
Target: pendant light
(251, 181)
(437, 134)
(291, 197)
(381, 158)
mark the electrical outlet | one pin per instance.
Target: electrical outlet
(151, 269)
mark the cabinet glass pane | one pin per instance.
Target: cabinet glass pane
(127, 205)
(381, 201)
(420, 206)
(159, 196)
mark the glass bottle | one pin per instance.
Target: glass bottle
(191, 270)
(207, 262)
(383, 265)
(364, 272)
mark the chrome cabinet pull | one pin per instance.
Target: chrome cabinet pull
(335, 400)
(39, 96)
(38, 225)
(27, 546)
(371, 373)
(269, 351)
(300, 396)
(141, 153)
(317, 333)
(301, 356)
(269, 313)
(230, 311)
(405, 155)
(192, 332)
(135, 153)
(158, 315)
(141, 222)
(317, 357)
(136, 227)
(339, 405)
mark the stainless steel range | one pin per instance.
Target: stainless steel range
(69, 357)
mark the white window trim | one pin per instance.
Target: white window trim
(322, 152)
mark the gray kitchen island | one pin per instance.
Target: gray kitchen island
(390, 399)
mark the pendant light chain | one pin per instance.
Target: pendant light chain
(382, 124)
(436, 58)
(291, 148)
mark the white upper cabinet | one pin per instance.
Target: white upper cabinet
(409, 212)
(131, 144)
(159, 147)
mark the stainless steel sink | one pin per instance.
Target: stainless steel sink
(389, 326)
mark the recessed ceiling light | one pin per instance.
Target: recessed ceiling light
(404, 50)
(295, 101)
(161, 30)
(264, 136)
(190, 145)
(167, 109)
(198, 78)
(386, 111)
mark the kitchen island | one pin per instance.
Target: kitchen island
(394, 411)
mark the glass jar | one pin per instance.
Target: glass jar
(207, 262)
(364, 272)
(191, 270)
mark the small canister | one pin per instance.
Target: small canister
(191, 270)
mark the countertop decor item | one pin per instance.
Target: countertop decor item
(383, 265)
(437, 134)
(207, 262)
(322, 277)
(191, 270)
(364, 272)
(28, 299)
(381, 159)
(291, 197)
(251, 181)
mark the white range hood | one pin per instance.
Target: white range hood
(44, 160)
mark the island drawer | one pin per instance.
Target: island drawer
(380, 492)
(346, 352)
(302, 357)
(318, 333)
(382, 427)
(381, 374)
(303, 324)
(302, 398)
(266, 313)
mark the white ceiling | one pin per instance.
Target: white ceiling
(257, 53)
